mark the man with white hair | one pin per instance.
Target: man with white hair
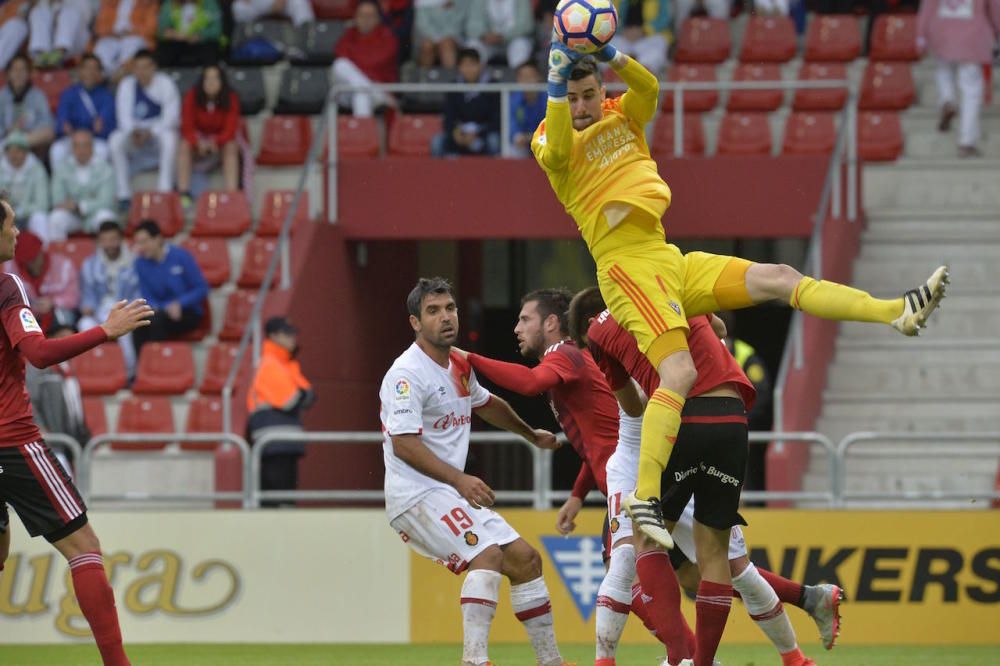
(83, 192)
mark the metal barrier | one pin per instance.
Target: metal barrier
(854, 439)
(541, 467)
(86, 461)
(806, 438)
(76, 451)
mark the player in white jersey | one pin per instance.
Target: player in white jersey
(427, 400)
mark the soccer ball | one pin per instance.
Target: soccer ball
(586, 26)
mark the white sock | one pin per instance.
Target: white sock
(614, 599)
(534, 609)
(480, 592)
(765, 609)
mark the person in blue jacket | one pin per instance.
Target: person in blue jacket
(88, 105)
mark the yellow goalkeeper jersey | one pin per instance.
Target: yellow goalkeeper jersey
(607, 163)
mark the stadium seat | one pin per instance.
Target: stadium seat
(274, 209)
(277, 32)
(756, 100)
(256, 258)
(239, 305)
(101, 371)
(704, 40)
(95, 416)
(334, 9)
(148, 414)
(315, 42)
(887, 86)
(221, 214)
(164, 368)
(52, 82)
(217, 366)
(411, 135)
(212, 257)
(357, 137)
(744, 134)
(694, 100)
(164, 207)
(285, 141)
(184, 78)
(880, 136)
(894, 37)
(809, 134)
(663, 136)
(821, 99)
(77, 249)
(768, 39)
(429, 102)
(204, 326)
(204, 416)
(303, 90)
(833, 38)
(248, 84)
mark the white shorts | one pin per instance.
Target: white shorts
(622, 469)
(444, 527)
(683, 534)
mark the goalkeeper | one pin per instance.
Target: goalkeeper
(593, 149)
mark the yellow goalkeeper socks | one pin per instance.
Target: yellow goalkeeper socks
(830, 300)
(660, 424)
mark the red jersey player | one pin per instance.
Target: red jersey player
(33, 482)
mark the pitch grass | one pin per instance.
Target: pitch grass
(449, 655)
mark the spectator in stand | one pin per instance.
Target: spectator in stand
(189, 33)
(148, 111)
(278, 396)
(398, 15)
(472, 119)
(438, 26)
(50, 281)
(23, 177)
(88, 105)
(83, 192)
(962, 36)
(685, 8)
(501, 28)
(210, 123)
(55, 395)
(106, 277)
(527, 110)
(122, 29)
(247, 11)
(171, 283)
(13, 29)
(24, 107)
(367, 53)
(60, 29)
(644, 32)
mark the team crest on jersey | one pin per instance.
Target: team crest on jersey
(471, 538)
(402, 390)
(28, 322)
(580, 563)
(614, 525)
(676, 308)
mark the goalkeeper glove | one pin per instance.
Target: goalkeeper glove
(612, 56)
(561, 61)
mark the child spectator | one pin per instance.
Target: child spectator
(247, 11)
(83, 192)
(60, 29)
(88, 105)
(50, 281)
(210, 123)
(23, 177)
(123, 28)
(438, 26)
(189, 33)
(644, 32)
(472, 119)
(23, 107)
(368, 52)
(527, 109)
(13, 29)
(501, 28)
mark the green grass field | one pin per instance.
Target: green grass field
(449, 655)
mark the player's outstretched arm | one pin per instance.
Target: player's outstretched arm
(125, 317)
(498, 413)
(553, 144)
(639, 102)
(514, 376)
(412, 451)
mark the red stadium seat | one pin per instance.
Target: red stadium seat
(334, 9)
(256, 258)
(151, 414)
(164, 368)
(212, 256)
(663, 135)
(221, 214)
(95, 416)
(894, 37)
(880, 136)
(163, 207)
(274, 209)
(887, 86)
(204, 326)
(756, 100)
(101, 371)
(239, 305)
(52, 82)
(768, 39)
(217, 366)
(704, 40)
(285, 141)
(821, 99)
(744, 134)
(833, 38)
(696, 100)
(809, 134)
(204, 415)
(77, 249)
(357, 137)
(411, 135)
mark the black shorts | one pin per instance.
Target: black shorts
(709, 462)
(34, 483)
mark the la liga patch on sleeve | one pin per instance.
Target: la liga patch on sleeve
(28, 322)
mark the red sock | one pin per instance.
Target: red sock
(788, 591)
(639, 608)
(663, 602)
(97, 601)
(712, 605)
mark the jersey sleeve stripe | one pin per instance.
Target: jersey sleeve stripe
(20, 287)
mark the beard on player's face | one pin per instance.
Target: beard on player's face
(440, 332)
(530, 337)
(8, 233)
